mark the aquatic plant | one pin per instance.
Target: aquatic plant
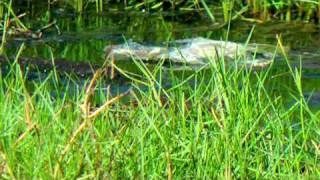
(253, 10)
(10, 23)
(283, 10)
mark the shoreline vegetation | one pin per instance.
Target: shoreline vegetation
(217, 123)
(249, 10)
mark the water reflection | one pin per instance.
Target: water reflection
(84, 37)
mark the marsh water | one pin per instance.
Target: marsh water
(81, 38)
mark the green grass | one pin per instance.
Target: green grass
(223, 125)
(217, 123)
(256, 9)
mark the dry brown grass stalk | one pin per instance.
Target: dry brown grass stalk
(88, 117)
(85, 107)
(23, 135)
(30, 125)
(215, 117)
(7, 167)
(169, 166)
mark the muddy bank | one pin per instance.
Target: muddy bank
(63, 66)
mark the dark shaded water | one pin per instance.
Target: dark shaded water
(83, 38)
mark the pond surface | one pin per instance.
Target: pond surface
(82, 39)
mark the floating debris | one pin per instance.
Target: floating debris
(195, 51)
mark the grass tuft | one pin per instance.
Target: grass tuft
(220, 122)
